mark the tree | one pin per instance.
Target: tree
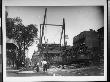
(29, 34)
(13, 28)
(23, 35)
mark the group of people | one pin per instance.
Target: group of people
(44, 65)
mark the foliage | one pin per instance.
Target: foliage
(17, 31)
(29, 34)
(23, 35)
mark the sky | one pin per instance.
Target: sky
(77, 19)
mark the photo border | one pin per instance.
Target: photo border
(54, 3)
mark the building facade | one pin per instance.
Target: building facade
(101, 42)
(89, 44)
(89, 38)
(86, 44)
(101, 38)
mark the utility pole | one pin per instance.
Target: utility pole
(64, 29)
(43, 24)
(42, 31)
(42, 28)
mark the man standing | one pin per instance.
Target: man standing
(44, 63)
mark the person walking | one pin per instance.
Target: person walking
(44, 63)
(36, 67)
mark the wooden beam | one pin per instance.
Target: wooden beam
(51, 24)
(64, 29)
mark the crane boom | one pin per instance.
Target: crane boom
(42, 28)
(41, 35)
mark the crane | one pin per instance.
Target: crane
(44, 24)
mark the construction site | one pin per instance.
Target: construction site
(66, 54)
(83, 58)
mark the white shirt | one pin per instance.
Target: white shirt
(38, 63)
(44, 62)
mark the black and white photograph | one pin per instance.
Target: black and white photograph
(108, 38)
(54, 41)
(64, 41)
(0, 44)
(0, 53)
